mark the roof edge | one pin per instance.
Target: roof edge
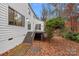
(32, 10)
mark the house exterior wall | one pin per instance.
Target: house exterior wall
(39, 22)
(16, 32)
(31, 19)
(11, 31)
(34, 20)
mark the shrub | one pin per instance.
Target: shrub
(69, 35)
(52, 24)
(72, 36)
(77, 37)
(55, 23)
(64, 31)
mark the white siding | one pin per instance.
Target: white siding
(9, 31)
(16, 32)
(31, 20)
(34, 21)
(39, 22)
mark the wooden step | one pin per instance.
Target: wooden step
(29, 37)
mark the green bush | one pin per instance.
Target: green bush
(55, 23)
(72, 36)
(77, 37)
(52, 24)
(64, 31)
(69, 35)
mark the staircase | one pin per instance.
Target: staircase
(29, 37)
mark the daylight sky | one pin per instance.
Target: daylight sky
(37, 8)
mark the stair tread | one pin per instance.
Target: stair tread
(29, 37)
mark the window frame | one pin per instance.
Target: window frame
(38, 27)
(14, 20)
(29, 28)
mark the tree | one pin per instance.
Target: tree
(56, 9)
(70, 13)
(44, 12)
(49, 10)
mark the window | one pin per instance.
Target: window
(38, 27)
(29, 26)
(11, 16)
(29, 11)
(15, 18)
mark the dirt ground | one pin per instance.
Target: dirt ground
(58, 47)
